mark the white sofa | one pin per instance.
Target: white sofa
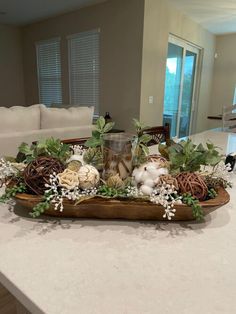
(27, 124)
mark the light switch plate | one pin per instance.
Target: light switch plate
(151, 100)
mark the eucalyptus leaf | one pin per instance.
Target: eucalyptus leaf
(92, 142)
(145, 138)
(108, 127)
(145, 149)
(96, 134)
(100, 123)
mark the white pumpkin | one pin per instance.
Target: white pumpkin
(88, 177)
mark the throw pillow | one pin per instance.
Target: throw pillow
(61, 117)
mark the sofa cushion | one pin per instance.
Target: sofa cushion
(9, 142)
(19, 119)
(61, 117)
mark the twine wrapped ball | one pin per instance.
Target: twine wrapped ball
(192, 183)
(115, 182)
(37, 173)
(158, 159)
(88, 177)
(74, 165)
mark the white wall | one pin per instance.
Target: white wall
(159, 20)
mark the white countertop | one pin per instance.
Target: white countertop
(100, 267)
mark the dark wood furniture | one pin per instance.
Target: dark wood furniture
(116, 131)
(159, 134)
(217, 117)
(75, 141)
(81, 141)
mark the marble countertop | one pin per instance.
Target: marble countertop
(88, 266)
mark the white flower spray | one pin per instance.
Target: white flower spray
(56, 194)
(219, 171)
(6, 170)
(166, 195)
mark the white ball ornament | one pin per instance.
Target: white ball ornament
(88, 177)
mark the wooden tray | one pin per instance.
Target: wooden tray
(122, 209)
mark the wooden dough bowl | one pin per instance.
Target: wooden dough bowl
(99, 208)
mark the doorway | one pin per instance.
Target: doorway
(180, 87)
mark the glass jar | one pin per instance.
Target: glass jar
(117, 155)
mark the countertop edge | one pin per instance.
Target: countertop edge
(19, 295)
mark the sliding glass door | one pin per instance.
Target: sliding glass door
(180, 86)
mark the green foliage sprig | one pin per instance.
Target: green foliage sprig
(212, 193)
(94, 157)
(110, 192)
(191, 201)
(140, 142)
(50, 147)
(188, 157)
(12, 191)
(101, 128)
(40, 208)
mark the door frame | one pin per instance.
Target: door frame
(186, 45)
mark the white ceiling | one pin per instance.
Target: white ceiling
(21, 12)
(218, 16)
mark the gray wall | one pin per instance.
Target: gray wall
(121, 24)
(11, 67)
(224, 80)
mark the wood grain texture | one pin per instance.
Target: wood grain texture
(9, 304)
(122, 209)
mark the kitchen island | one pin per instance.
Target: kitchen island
(95, 266)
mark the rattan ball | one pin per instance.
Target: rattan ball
(37, 173)
(192, 183)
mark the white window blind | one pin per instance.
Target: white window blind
(84, 68)
(49, 71)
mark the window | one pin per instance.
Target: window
(84, 69)
(234, 100)
(180, 97)
(49, 71)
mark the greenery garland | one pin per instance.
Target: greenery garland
(12, 191)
